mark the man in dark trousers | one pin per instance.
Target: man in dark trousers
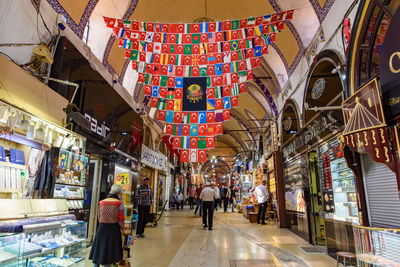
(144, 197)
(208, 197)
(225, 197)
(261, 193)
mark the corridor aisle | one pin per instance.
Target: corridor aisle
(180, 241)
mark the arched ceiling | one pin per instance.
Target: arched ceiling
(259, 104)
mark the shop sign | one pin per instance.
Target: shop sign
(124, 180)
(97, 127)
(270, 139)
(313, 131)
(153, 159)
(390, 68)
(365, 129)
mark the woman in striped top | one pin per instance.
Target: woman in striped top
(107, 245)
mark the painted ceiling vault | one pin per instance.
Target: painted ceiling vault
(85, 18)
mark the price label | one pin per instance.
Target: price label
(122, 179)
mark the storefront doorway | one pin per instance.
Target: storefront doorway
(316, 212)
(93, 193)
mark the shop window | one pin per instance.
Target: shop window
(377, 48)
(363, 67)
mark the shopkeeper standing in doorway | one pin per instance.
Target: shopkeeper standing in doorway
(144, 198)
(261, 194)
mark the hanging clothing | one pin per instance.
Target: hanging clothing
(45, 179)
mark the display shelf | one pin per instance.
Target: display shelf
(342, 169)
(9, 260)
(8, 190)
(344, 189)
(66, 198)
(70, 184)
(51, 250)
(343, 178)
(376, 260)
(12, 165)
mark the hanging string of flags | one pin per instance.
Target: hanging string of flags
(194, 72)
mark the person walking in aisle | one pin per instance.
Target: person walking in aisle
(225, 197)
(208, 196)
(218, 195)
(232, 198)
(192, 193)
(107, 245)
(198, 200)
(144, 197)
(179, 197)
(261, 195)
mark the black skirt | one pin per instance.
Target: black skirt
(107, 245)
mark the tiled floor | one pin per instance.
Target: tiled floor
(180, 241)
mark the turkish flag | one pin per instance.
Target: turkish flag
(156, 58)
(135, 45)
(289, 14)
(150, 27)
(177, 142)
(235, 101)
(280, 25)
(203, 60)
(164, 70)
(184, 155)
(242, 88)
(227, 115)
(194, 27)
(250, 75)
(195, 49)
(142, 36)
(140, 78)
(234, 77)
(234, 56)
(186, 38)
(161, 115)
(242, 65)
(242, 44)
(164, 48)
(243, 23)
(185, 129)
(219, 58)
(172, 59)
(135, 25)
(195, 71)
(210, 117)
(170, 104)
(212, 47)
(169, 128)
(154, 102)
(216, 80)
(187, 60)
(219, 103)
(202, 130)
(149, 68)
(219, 37)
(177, 117)
(250, 32)
(134, 63)
(178, 93)
(235, 35)
(165, 28)
(180, 28)
(212, 27)
(249, 53)
(157, 37)
(163, 92)
(226, 91)
(272, 37)
(147, 90)
(226, 68)
(171, 82)
(218, 128)
(210, 70)
(142, 56)
(179, 49)
(155, 80)
(264, 49)
(210, 142)
(203, 38)
(259, 20)
(179, 71)
(210, 93)
(193, 142)
(171, 38)
(194, 117)
(202, 155)
(149, 47)
(226, 46)
(226, 25)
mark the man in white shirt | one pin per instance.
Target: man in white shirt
(217, 197)
(208, 195)
(261, 195)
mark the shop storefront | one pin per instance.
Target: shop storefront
(371, 146)
(155, 168)
(320, 190)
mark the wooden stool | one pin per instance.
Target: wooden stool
(344, 255)
(273, 213)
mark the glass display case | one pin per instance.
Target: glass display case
(339, 190)
(48, 244)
